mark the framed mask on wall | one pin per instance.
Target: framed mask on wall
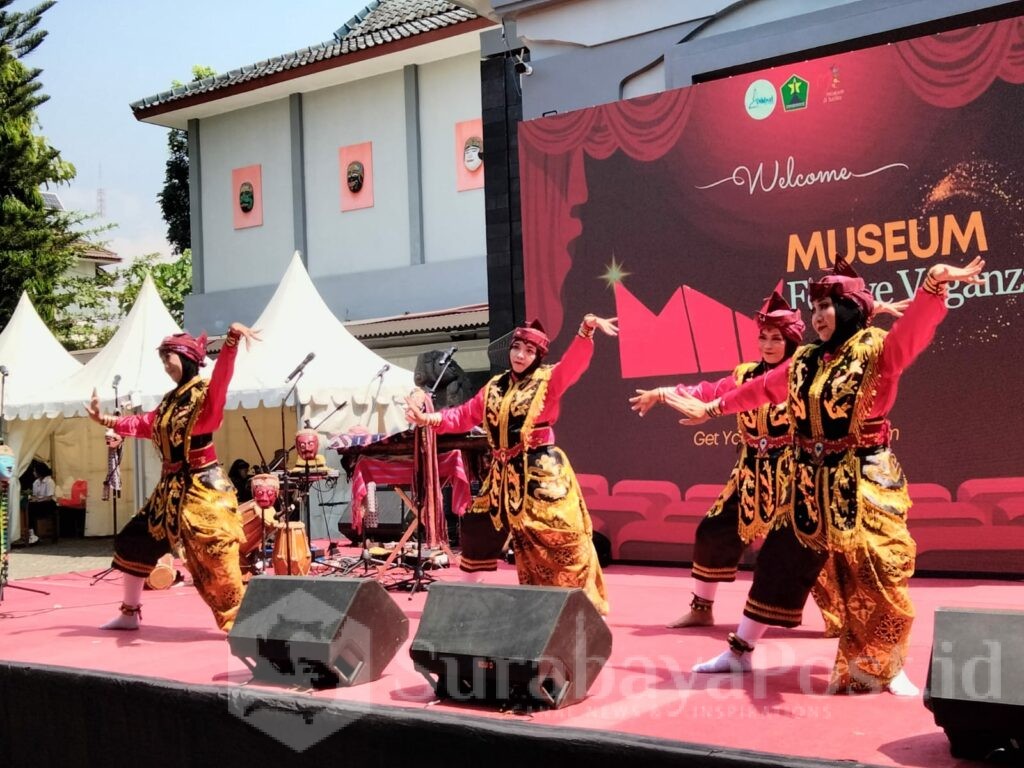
(469, 155)
(355, 170)
(247, 196)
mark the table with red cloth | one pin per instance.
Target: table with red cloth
(398, 471)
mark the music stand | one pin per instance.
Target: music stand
(420, 579)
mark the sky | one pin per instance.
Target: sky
(101, 55)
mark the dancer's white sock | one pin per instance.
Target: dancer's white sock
(750, 632)
(131, 597)
(901, 686)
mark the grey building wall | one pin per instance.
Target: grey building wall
(453, 222)
(364, 262)
(369, 238)
(588, 52)
(237, 258)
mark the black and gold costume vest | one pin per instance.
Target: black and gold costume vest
(762, 478)
(845, 473)
(172, 436)
(511, 407)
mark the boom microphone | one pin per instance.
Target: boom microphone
(299, 367)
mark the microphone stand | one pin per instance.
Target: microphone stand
(116, 467)
(420, 579)
(286, 491)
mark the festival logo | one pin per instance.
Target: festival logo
(794, 93)
(832, 86)
(760, 99)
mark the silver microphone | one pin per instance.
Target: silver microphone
(383, 369)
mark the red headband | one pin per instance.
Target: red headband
(776, 313)
(186, 346)
(842, 283)
(533, 333)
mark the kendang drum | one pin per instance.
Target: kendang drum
(291, 550)
(163, 575)
(255, 522)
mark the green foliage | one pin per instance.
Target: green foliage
(37, 244)
(94, 306)
(173, 282)
(174, 198)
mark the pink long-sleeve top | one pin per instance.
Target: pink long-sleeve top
(910, 335)
(564, 374)
(212, 413)
(707, 391)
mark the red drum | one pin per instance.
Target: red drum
(252, 527)
(291, 550)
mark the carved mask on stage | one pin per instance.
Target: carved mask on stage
(354, 176)
(307, 442)
(264, 490)
(7, 462)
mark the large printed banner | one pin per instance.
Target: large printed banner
(680, 212)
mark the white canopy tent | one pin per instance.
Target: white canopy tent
(57, 411)
(342, 370)
(295, 323)
(32, 359)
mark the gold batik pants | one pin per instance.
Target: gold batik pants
(553, 536)
(207, 529)
(863, 592)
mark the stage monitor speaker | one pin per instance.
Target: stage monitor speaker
(317, 632)
(975, 685)
(518, 647)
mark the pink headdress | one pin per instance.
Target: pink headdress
(187, 346)
(843, 282)
(533, 333)
(776, 313)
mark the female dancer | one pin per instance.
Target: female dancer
(194, 503)
(849, 493)
(530, 488)
(757, 488)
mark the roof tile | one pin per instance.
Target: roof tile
(380, 22)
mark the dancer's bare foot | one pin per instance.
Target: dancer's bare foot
(700, 615)
(128, 619)
(703, 618)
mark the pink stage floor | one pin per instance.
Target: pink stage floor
(645, 689)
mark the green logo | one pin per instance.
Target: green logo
(794, 93)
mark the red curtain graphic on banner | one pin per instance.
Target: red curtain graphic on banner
(680, 212)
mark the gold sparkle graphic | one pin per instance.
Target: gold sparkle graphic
(614, 274)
